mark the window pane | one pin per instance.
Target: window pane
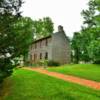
(40, 55)
(46, 55)
(46, 42)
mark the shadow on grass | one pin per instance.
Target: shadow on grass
(5, 88)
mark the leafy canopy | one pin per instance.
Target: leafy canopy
(90, 33)
(15, 35)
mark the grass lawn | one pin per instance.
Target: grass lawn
(29, 85)
(87, 71)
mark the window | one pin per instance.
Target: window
(46, 55)
(32, 47)
(30, 57)
(40, 44)
(40, 55)
(35, 57)
(35, 45)
(46, 43)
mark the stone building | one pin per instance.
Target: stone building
(55, 47)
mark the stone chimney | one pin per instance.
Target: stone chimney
(60, 29)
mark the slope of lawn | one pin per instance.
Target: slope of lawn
(87, 71)
(29, 85)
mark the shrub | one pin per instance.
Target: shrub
(43, 63)
(53, 63)
(6, 68)
(48, 63)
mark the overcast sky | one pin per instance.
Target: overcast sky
(62, 12)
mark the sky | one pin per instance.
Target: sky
(62, 12)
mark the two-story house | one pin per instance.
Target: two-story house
(55, 47)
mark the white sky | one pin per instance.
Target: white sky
(62, 12)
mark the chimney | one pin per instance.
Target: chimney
(60, 29)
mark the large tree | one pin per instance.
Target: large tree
(43, 27)
(90, 33)
(91, 30)
(15, 35)
(76, 47)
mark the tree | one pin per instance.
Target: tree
(76, 47)
(90, 32)
(15, 35)
(43, 27)
(24, 28)
(92, 14)
(94, 51)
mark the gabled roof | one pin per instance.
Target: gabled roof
(42, 39)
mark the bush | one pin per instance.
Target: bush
(1, 76)
(53, 63)
(6, 68)
(43, 63)
(48, 63)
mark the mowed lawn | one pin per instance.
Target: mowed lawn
(87, 71)
(29, 85)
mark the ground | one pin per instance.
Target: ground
(29, 85)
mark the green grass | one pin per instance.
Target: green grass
(29, 85)
(87, 71)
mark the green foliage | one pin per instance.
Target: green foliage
(91, 15)
(88, 35)
(90, 32)
(7, 20)
(53, 63)
(23, 28)
(15, 35)
(43, 63)
(43, 27)
(76, 47)
(94, 51)
(5, 68)
(49, 63)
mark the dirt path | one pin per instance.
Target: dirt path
(73, 79)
